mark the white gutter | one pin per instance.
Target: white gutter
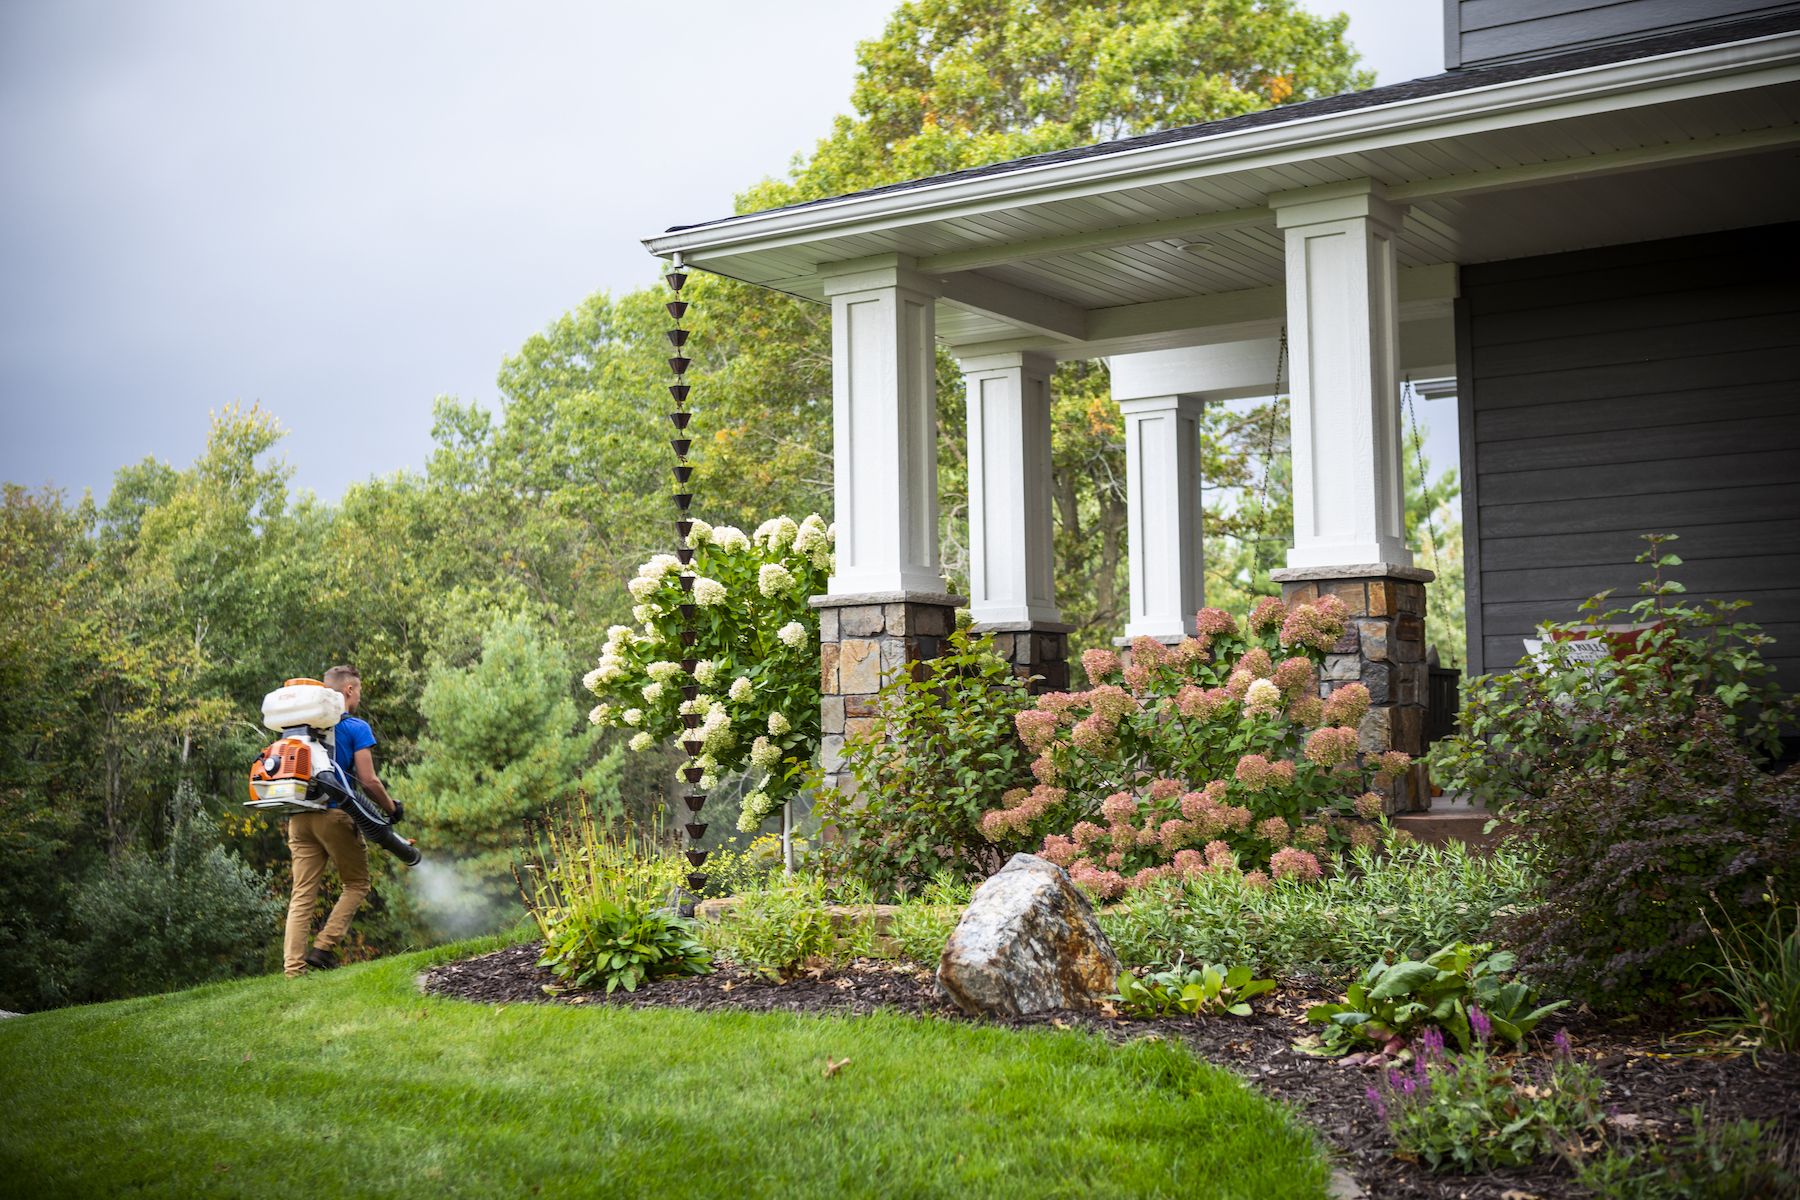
(1756, 63)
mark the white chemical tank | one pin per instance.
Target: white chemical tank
(303, 702)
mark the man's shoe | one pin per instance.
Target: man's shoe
(324, 960)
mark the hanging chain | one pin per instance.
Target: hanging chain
(683, 471)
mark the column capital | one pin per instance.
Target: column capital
(1187, 406)
(875, 272)
(1007, 360)
(1350, 200)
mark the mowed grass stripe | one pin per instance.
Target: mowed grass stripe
(358, 1086)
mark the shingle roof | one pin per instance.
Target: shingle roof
(1462, 80)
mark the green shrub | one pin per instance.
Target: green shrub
(190, 913)
(620, 945)
(1523, 733)
(1473, 1112)
(776, 929)
(1222, 741)
(941, 751)
(921, 924)
(1731, 1161)
(569, 858)
(1404, 901)
(918, 932)
(601, 893)
(1639, 784)
(1392, 1003)
(1205, 990)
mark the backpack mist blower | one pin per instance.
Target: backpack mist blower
(298, 774)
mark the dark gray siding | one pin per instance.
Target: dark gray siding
(1477, 32)
(1605, 394)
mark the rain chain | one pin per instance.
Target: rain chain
(684, 525)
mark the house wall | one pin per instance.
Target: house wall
(1648, 388)
(1477, 32)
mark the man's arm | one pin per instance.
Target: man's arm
(365, 774)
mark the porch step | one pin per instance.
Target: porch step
(1447, 821)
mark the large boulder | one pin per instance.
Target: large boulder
(1028, 942)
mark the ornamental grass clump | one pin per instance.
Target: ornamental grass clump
(1758, 975)
(751, 698)
(1476, 1111)
(599, 894)
(1222, 741)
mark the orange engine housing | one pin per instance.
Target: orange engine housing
(293, 760)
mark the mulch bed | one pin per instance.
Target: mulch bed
(1653, 1079)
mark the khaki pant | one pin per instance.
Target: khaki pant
(312, 838)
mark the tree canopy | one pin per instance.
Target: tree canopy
(964, 83)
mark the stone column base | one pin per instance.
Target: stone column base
(1383, 648)
(865, 641)
(1033, 648)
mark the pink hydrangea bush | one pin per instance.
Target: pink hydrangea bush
(1199, 757)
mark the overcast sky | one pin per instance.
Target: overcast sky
(344, 210)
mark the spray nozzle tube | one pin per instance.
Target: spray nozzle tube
(369, 819)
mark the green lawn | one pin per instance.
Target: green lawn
(351, 1084)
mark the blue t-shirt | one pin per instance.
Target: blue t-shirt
(352, 734)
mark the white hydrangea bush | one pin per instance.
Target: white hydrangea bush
(757, 670)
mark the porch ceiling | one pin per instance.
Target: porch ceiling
(1681, 143)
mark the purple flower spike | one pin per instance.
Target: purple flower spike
(1430, 1042)
(1563, 1047)
(1375, 1099)
(1478, 1021)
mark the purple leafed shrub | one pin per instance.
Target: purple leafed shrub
(1644, 787)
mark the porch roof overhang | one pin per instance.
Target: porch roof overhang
(1087, 253)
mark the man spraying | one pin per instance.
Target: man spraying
(314, 837)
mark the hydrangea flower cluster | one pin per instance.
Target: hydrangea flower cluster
(1195, 757)
(747, 688)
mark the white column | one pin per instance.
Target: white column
(1343, 339)
(1162, 470)
(884, 405)
(1012, 550)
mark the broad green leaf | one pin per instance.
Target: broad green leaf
(1401, 978)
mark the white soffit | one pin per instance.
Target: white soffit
(1680, 143)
